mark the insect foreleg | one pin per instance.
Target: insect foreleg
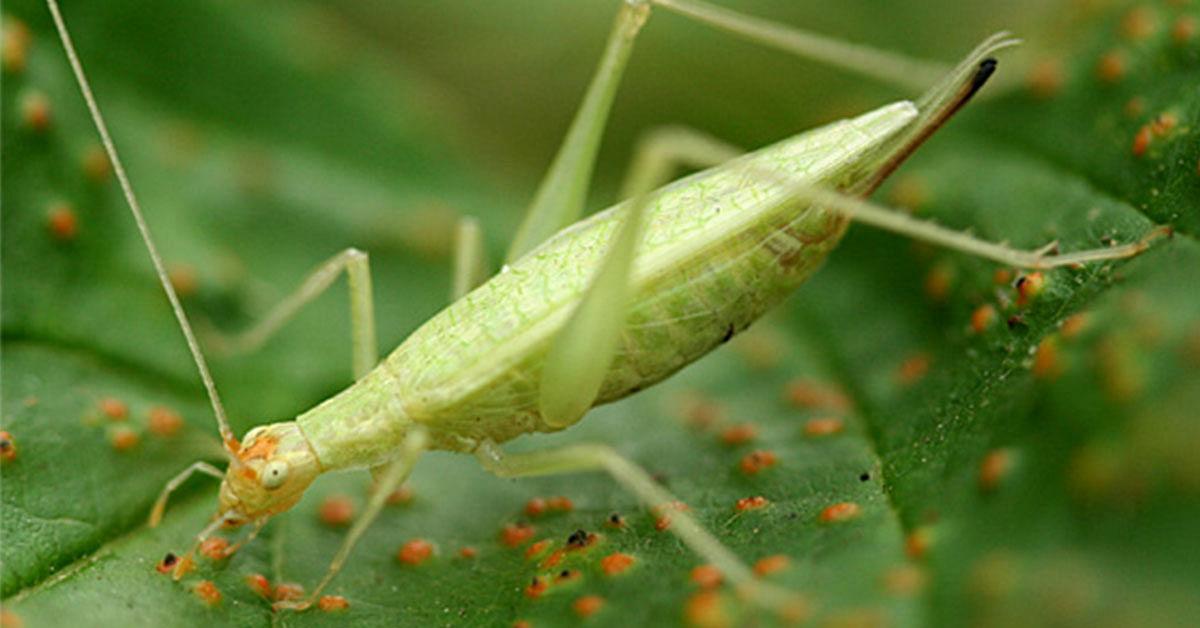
(390, 479)
(595, 457)
(362, 311)
(673, 146)
(470, 258)
(160, 504)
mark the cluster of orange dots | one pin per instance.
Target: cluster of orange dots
(160, 421)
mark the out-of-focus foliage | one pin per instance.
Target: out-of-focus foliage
(1034, 466)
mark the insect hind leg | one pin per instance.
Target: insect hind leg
(596, 457)
(356, 263)
(896, 221)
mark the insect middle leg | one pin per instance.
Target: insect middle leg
(596, 457)
(356, 263)
(470, 258)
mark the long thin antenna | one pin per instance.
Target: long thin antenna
(219, 410)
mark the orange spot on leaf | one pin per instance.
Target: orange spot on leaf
(123, 438)
(553, 559)
(738, 434)
(62, 223)
(757, 461)
(1029, 287)
(259, 584)
(706, 576)
(535, 550)
(167, 564)
(536, 587)
(840, 512)
(751, 503)
(1184, 29)
(917, 543)
(1111, 67)
(914, 368)
(1047, 364)
(515, 534)
(288, 591)
(165, 421)
(982, 318)
(215, 548)
(771, 564)
(207, 592)
(705, 609)
(35, 111)
(336, 511)
(8, 447)
(114, 409)
(825, 426)
(415, 552)
(1141, 141)
(993, 468)
(809, 394)
(616, 563)
(332, 603)
(587, 605)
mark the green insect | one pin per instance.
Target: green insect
(589, 312)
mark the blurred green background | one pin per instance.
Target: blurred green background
(263, 138)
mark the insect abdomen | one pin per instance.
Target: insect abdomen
(721, 247)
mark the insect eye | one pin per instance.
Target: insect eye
(274, 474)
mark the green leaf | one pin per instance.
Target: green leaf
(1045, 464)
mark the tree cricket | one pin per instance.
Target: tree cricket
(586, 312)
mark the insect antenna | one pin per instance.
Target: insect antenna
(227, 437)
